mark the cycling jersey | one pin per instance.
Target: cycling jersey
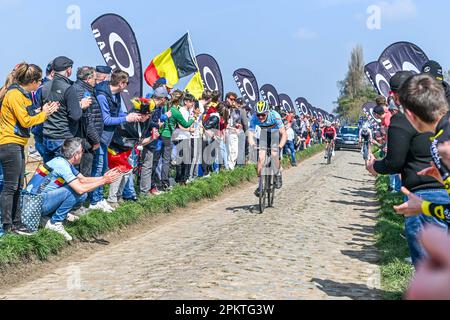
(273, 122)
(365, 135)
(329, 133)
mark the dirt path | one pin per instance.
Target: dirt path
(316, 244)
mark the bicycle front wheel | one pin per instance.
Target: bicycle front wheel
(270, 191)
(262, 194)
(329, 155)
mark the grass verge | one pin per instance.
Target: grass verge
(20, 249)
(392, 246)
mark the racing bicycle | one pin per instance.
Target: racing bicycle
(267, 182)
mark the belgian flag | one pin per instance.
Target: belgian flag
(195, 86)
(173, 64)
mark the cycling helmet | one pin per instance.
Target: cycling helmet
(327, 124)
(262, 107)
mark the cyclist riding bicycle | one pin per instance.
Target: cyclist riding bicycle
(272, 136)
(365, 138)
(329, 135)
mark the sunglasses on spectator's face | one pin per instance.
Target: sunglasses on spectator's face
(232, 99)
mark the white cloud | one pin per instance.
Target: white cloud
(305, 34)
(396, 10)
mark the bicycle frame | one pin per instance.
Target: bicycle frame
(267, 181)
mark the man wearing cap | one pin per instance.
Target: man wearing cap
(162, 82)
(434, 69)
(103, 74)
(408, 153)
(63, 124)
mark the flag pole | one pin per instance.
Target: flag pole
(192, 50)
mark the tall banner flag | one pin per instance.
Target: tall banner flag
(302, 105)
(210, 73)
(368, 111)
(315, 112)
(321, 113)
(119, 47)
(286, 102)
(270, 95)
(403, 56)
(310, 109)
(248, 86)
(379, 77)
(173, 64)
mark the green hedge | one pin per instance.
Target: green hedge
(392, 246)
(22, 249)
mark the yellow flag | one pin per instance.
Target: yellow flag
(195, 86)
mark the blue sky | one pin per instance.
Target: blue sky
(301, 47)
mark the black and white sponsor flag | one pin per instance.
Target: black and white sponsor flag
(313, 110)
(211, 74)
(286, 103)
(270, 95)
(248, 86)
(302, 105)
(310, 109)
(326, 115)
(120, 50)
(403, 56)
(368, 111)
(321, 113)
(379, 77)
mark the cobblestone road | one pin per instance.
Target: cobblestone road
(316, 244)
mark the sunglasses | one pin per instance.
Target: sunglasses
(261, 115)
